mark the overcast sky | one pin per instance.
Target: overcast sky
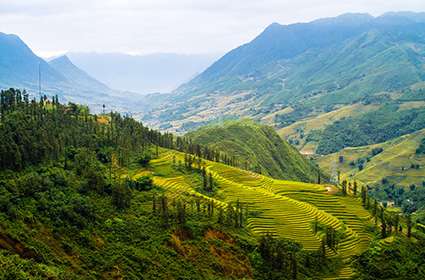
(152, 26)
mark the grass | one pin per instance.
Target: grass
(394, 163)
(286, 209)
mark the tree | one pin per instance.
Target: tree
(355, 188)
(315, 225)
(364, 196)
(210, 182)
(143, 183)
(323, 248)
(294, 269)
(164, 211)
(181, 212)
(396, 222)
(344, 187)
(121, 196)
(383, 229)
(409, 225)
(204, 179)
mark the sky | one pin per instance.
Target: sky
(165, 26)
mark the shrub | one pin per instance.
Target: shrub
(144, 183)
(121, 196)
(144, 159)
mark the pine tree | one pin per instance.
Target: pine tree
(210, 182)
(164, 211)
(409, 225)
(355, 188)
(344, 187)
(181, 212)
(318, 177)
(316, 225)
(294, 269)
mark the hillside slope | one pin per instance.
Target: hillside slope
(397, 161)
(260, 147)
(310, 67)
(75, 75)
(21, 68)
(78, 200)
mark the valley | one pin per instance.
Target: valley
(299, 154)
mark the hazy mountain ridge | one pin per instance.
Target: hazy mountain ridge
(162, 72)
(18, 64)
(21, 68)
(75, 75)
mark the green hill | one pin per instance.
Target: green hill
(259, 148)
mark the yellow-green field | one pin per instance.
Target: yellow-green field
(285, 209)
(394, 163)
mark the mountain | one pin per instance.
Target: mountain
(259, 148)
(21, 68)
(307, 69)
(75, 75)
(162, 72)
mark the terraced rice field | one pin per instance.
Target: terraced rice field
(285, 209)
(393, 163)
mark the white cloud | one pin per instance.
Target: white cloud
(184, 26)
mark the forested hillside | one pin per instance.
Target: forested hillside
(259, 148)
(86, 196)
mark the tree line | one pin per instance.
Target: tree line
(33, 131)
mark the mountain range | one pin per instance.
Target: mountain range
(293, 72)
(20, 67)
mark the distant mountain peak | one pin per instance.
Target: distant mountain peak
(61, 58)
(65, 66)
(413, 16)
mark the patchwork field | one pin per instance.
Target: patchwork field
(286, 209)
(300, 129)
(394, 162)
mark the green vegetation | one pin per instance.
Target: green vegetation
(421, 148)
(410, 199)
(313, 68)
(305, 134)
(397, 162)
(393, 258)
(374, 127)
(258, 148)
(116, 200)
(108, 202)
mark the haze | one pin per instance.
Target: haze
(158, 26)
